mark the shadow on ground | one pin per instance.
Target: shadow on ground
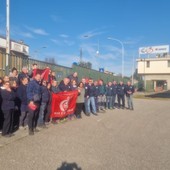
(165, 94)
(69, 166)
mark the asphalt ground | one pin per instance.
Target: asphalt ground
(114, 140)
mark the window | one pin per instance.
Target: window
(168, 63)
(59, 74)
(148, 64)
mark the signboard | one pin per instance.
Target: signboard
(101, 70)
(154, 49)
(19, 47)
(2, 42)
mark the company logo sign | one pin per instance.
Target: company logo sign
(154, 49)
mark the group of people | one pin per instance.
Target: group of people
(26, 99)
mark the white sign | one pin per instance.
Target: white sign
(154, 49)
(19, 47)
(2, 42)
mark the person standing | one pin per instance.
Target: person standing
(102, 95)
(80, 100)
(33, 98)
(96, 95)
(73, 76)
(90, 98)
(109, 96)
(44, 100)
(22, 95)
(121, 95)
(8, 106)
(23, 74)
(114, 87)
(129, 95)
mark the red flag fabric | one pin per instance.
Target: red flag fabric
(43, 72)
(63, 104)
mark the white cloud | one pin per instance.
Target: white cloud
(69, 43)
(55, 41)
(64, 35)
(56, 18)
(38, 31)
(26, 34)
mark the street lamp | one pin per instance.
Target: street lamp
(38, 50)
(123, 51)
(97, 51)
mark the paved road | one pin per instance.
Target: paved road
(115, 140)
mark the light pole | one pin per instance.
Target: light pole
(38, 50)
(7, 35)
(123, 51)
(97, 51)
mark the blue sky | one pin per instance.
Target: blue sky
(66, 26)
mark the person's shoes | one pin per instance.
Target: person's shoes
(54, 122)
(78, 117)
(95, 114)
(31, 132)
(21, 128)
(36, 130)
(8, 135)
(87, 114)
(42, 126)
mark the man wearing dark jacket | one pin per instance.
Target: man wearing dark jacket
(89, 95)
(44, 100)
(109, 96)
(33, 98)
(129, 95)
(114, 87)
(121, 95)
(74, 76)
(64, 85)
(96, 95)
(22, 95)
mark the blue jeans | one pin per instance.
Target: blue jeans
(130, 101)
(114, 100)
(41, 113)
(109, 102)
(96, 103)
(92, 102)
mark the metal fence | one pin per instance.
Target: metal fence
(61, 71)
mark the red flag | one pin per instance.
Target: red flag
(43, 72)
(63, 104)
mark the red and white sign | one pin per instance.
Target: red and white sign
(154, 49)
(63, 104)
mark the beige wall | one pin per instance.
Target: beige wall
(157, 66)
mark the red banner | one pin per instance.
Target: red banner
(63, 104)
(43, 72)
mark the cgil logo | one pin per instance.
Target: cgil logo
(64, 104)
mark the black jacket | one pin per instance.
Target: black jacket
(8, 99)
(45, 93)
(63, 87)
(121, 90)
(22, 94)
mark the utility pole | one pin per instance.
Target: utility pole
(7, 35)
